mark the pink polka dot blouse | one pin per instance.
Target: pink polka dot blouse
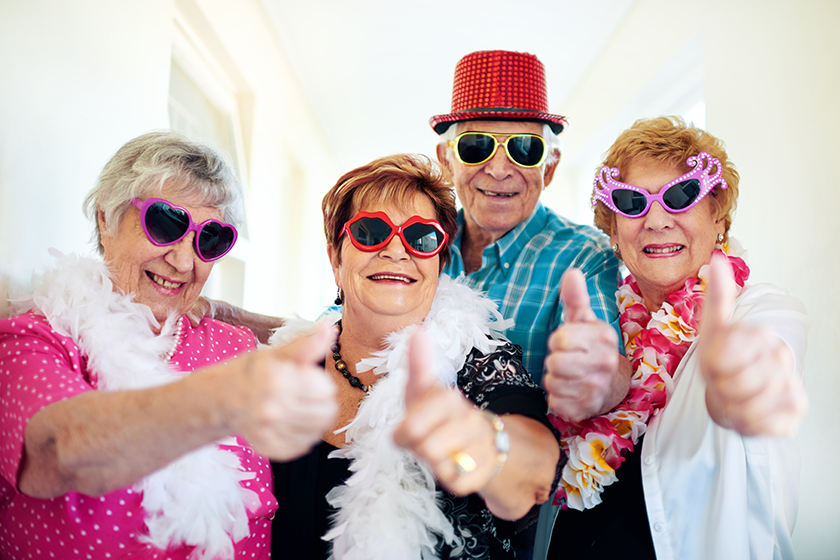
(38, 367)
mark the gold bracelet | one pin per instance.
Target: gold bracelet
(501, 440)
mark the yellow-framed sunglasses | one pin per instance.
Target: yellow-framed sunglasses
(475, 148)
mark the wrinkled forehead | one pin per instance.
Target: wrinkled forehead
(502, 127)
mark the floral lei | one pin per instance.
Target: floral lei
(655, 343)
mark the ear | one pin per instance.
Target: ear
(104, 236)
(100, 219)
(333, 256)
(720, 225)
(441, 151)
(550, 168)
(614, 233)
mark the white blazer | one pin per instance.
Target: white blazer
(710, 492)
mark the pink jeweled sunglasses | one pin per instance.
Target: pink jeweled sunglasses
(679, 195)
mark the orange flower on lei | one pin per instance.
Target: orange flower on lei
(655, 343)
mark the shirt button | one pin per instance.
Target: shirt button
(658, 527)
(649, 460)
(506, 265)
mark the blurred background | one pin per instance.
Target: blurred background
(298, 92)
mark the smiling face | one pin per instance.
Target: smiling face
(167, 279)
(497, 195)
(388, 288)
(662, 250)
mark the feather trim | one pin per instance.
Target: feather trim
(388, 506)
(196, 500)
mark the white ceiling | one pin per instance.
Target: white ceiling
(375, 71)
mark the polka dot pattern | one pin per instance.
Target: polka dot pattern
(38, 366)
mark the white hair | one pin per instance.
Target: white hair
(148, 163)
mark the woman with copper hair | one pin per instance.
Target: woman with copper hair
(442, 439)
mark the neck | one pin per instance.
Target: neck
(360, 338)
(653, 302)
(473, 242)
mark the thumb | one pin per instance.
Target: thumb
(420, 377)
(309, 348)
(720, 296)
(575, 298)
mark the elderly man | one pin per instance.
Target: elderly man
(499, 144)
(500, 147)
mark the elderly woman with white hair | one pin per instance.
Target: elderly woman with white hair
(126, 431)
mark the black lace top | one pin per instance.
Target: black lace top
(496, 381)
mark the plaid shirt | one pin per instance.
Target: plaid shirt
(521, 272)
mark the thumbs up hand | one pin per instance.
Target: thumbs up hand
(442, 428)
(583, 357)
(752, 386)
(284, 399)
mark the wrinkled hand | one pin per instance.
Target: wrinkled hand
(288, 400)
(583, 355)
(752, 386)
(202, 308)
(440, 422)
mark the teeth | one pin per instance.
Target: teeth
(389, 277)
(164, 283)
(498, 194)
(673, 249)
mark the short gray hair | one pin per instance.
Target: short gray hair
(552, 141)
(147, 164)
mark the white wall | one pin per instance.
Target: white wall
(771, 72)
(290, 167)
(772, 94)
(78, 79)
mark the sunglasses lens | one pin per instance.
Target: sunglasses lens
(370, 231)
(629, 202)
(526, 150)
(423, 238)
(215, 240)
(165, 224)
(475, 148)
(681, 195)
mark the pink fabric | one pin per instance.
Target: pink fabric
(38, 367)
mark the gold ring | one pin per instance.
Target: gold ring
(463, 461)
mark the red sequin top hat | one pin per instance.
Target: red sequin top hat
(499, 85)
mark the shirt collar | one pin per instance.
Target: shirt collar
(503, 251)
(511, 243)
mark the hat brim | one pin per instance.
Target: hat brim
(441, 123)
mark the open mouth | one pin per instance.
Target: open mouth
(392, 277)
(497, 194)
(663, 250)
(161, 282)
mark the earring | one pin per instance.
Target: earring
(615, 248)
(720, 238)
(339, 297)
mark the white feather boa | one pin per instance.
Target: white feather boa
(196, 500)
(388, 507)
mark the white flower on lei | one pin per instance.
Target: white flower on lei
(630, 424)
(586, 472)
(666, 321)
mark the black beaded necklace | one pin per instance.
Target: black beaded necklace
(342, 367)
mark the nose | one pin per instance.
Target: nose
(394, 250)
(499, 166)
(181, 256)
(658, 218)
